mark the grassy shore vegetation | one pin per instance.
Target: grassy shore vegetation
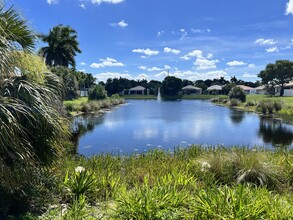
(83, 105)
(278, 107)
(189, 183)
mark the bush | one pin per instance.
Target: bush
(233, 102)
(97, 92)
(237, 93)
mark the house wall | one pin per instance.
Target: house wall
(288, 92)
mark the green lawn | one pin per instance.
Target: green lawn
(139, 97)
(78, 101)
(256, 98)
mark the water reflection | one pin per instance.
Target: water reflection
(147, 124)
(275, 133)
(84, 124)
(236, 116)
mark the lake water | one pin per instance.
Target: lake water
(141, 125)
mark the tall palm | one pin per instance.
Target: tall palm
(30, 127)
(62, 46)
(14, 34)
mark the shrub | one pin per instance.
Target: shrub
(278, 105)
(249, 103)
(233, 102)
(85, 107)
(237, 93)
(97, 92)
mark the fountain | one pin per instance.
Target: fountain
(159, 95)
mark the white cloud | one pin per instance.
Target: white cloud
(160, 33)
(166, 67)
(142, 67)
(142, 76)
(106, 1)
(52, 2)
(200, 31)
(106, 75)
(170, 50)
(190, 75)
(262, 41)
(236, 63)
(121, 24)
(272, 50)
(289, 8)
(147, 52)
(210, 56)
(108, 62)
(82, 63)
(154, 69)
(195, 53)
(247, 75)
(251, 65)
(183, 33)
(82, 5)
(203, 64)
(82, 70)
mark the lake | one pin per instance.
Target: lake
(141, 125)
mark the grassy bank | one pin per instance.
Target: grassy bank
(191, 183)
(277, 107)
(83, 105)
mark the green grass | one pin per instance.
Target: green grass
(203, 97)
(189, 183)
(78, 101)
(139, 97)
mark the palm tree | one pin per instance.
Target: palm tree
(30, 125)
(62, 46)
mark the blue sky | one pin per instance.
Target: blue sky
(190, 39)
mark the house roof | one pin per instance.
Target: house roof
(137, 88)
(190, 87)
(245, 88)
(260, 88)
(289, 84)
(215, 87)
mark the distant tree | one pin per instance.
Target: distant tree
(70, 89)
(62, 46)
(208, 82)
(186, 82)
(227, 88)
(114, 86)
(97, 92)
(279, 73)
(237, 93)
(234, 80)
(153, 86)
(85, 80)
(171, 85)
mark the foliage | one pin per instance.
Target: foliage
(171, 86)
(62, 46)
(97, 92)
(279, 73)
(70, 88)
(14, 34)
(237, 93)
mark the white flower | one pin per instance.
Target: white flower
(79, 169)
(205, 166)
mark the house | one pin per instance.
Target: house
(215, 90)
(138, 90)
(246, 89)
(191, 90)
(260, 90)
(288, 89)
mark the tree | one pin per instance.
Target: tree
(279, 73)
(62, 46)
(171, 85)
(31, 128)
(97, 92)
(237, 93)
